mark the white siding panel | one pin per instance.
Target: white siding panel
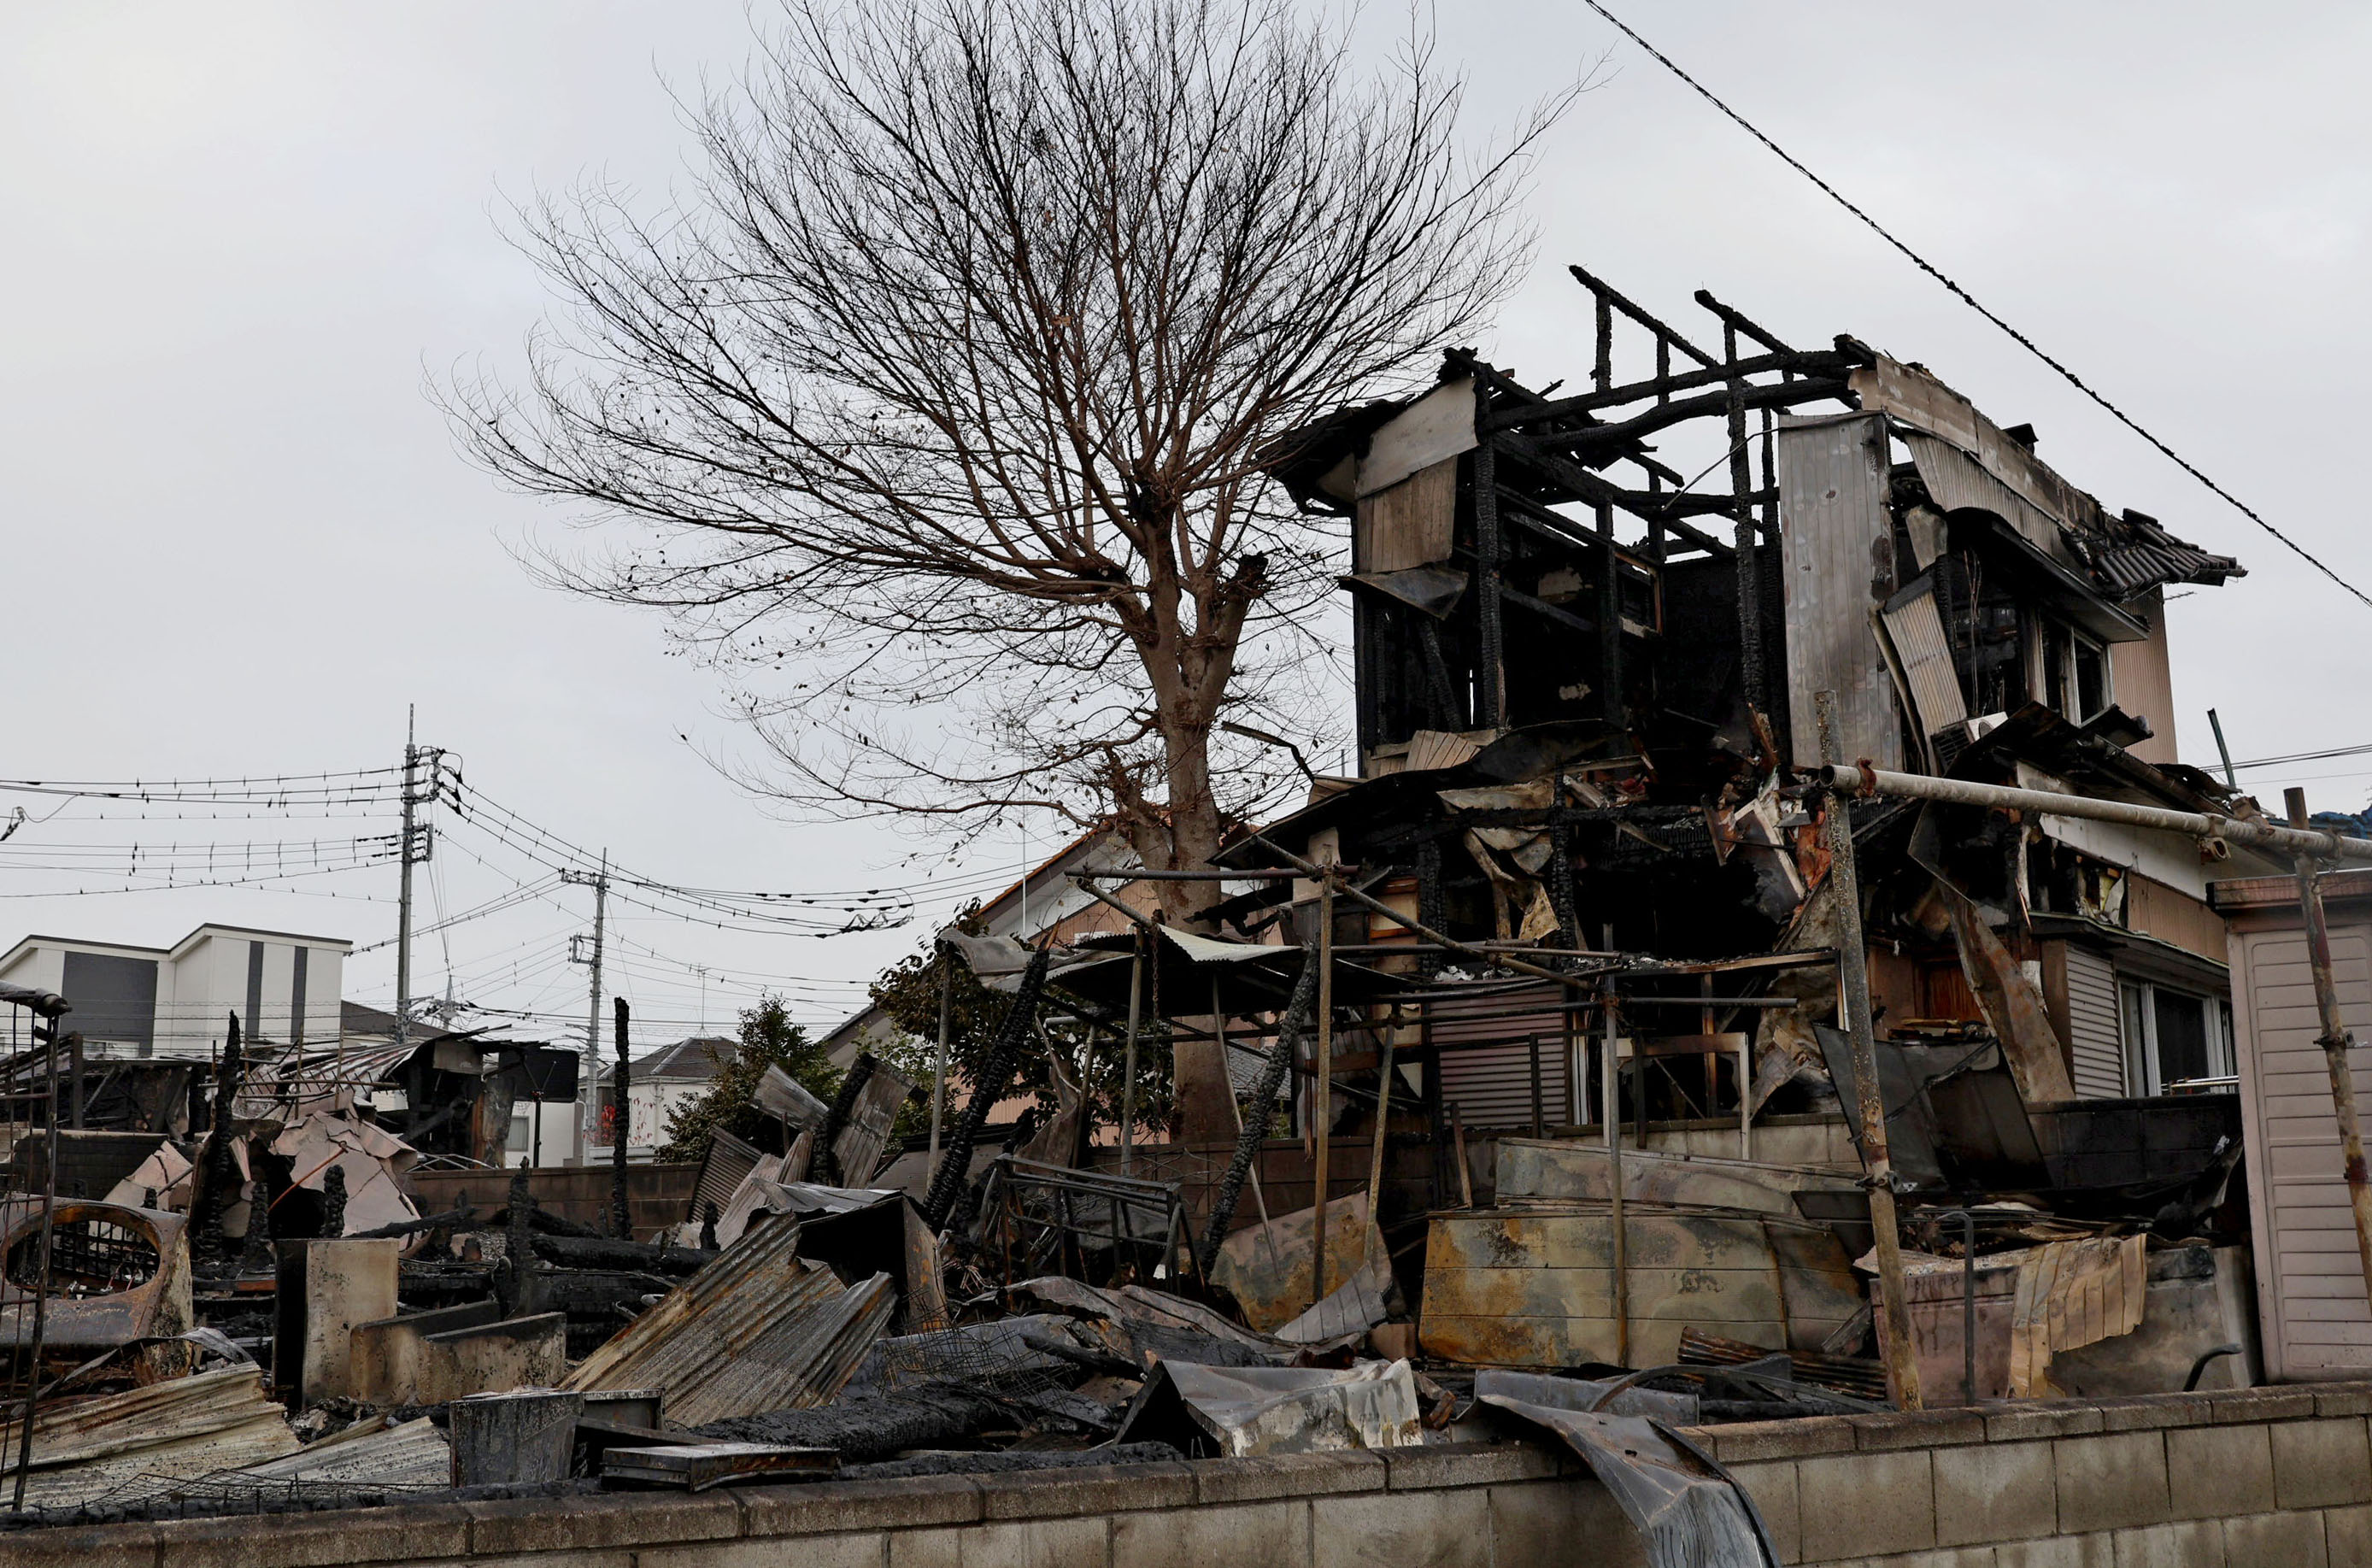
(2095, 1040)
(2309, 1277)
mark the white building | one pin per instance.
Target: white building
(176, 1001)
(657, 1084)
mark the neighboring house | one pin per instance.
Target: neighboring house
(1045, 900)
(176, 1001)
(659, 1085)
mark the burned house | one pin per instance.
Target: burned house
(1590, 625)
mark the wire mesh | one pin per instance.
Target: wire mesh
(987, 1355)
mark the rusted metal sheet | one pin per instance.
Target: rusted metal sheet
(409, 1453)
(427, 1358)
(759, 1330)
(1267, 1267)
(1536, 1288)
(137, 1442)
(117, 1274)
(1561, 1171)
(723, 1169)
(1349, 1310)
(1836, 552)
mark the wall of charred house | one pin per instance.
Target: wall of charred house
(1544, 608)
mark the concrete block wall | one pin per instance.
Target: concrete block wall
(2275, 1476)
(2278, 1477)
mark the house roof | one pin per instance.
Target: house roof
(694, 1061)
(133, 950)
(356, 1019)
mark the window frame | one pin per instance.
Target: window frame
(2137, 1030)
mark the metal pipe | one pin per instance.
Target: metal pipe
(1128, 1059)
(2293, 841)
(1265, 873)
(1323, 1099)
(2336, 1042)
(42, 1280)
(1852, 982)
(1103, 898)
(1610, 1089)
(1383, 1120)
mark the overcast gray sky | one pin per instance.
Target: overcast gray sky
(238, 542)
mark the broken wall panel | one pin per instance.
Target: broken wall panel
(1917, 632)
(1919, 400)
(1436, 427)
(1836, 546)
(1407, 524)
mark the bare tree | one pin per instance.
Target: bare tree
(935, 412)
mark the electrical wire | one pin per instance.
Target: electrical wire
(1972, 302)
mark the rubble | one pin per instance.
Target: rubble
(1642, 1012)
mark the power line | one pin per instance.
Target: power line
(2302, 757)
(1970, 301)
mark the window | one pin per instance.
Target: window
(2076, 677)
(2174, 1038)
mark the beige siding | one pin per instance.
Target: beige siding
(2309, 1280)
(2095, 1041)
(2144, 680)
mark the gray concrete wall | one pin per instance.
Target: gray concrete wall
(2279, 1476)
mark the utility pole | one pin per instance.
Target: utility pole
(419, 841)
(403, 890)
(590, 1101)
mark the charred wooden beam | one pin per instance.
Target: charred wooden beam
(1491, 687)
(1604, 442)
(1816, 364)
(1735, 320)
(1663, 330)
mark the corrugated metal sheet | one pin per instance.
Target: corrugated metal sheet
(1959, 481)
(1836, 555)
(759, 1330)
(139, 1442)
(1491, 1083)
(1928, 663)
(2094, 1040)
(723, 1169)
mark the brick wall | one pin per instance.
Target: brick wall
(2280, 1477)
